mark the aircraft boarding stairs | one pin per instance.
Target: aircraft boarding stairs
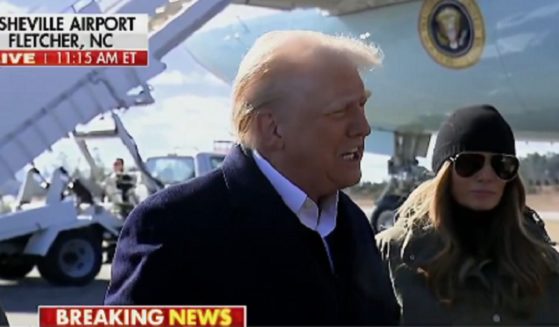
(42, 105)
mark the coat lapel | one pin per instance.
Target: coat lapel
(359, 247)
(251, 192)
(261, 212)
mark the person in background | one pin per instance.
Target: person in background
(119, 188)
(118, 166)
(466, 249)
(271, 229)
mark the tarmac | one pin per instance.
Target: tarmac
(21, 299)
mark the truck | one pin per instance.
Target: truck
(174, 168)
(177, 168)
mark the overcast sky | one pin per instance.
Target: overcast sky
(192, 107)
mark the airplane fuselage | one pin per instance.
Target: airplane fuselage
(439, 56)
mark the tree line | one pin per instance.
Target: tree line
(538, 171)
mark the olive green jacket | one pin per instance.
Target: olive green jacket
(404, 250)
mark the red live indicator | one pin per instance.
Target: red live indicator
(73, 57)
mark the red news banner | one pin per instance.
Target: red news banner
(74, 40)
(138, 316)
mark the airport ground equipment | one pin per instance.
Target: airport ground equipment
(64, 235)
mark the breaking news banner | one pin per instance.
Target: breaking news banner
(139, 316)
(74, 40)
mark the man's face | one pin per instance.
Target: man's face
(118, 166)
(325, 131)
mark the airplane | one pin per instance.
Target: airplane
(439, 55)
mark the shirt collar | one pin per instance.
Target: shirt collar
(292, 195)
(322, 220)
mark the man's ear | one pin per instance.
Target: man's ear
(269, 129)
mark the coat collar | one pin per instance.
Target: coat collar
(248, 186)
(245, 182)
(252, 195)
(253, 198)
(420, 244)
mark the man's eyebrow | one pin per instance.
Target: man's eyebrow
(340, 102)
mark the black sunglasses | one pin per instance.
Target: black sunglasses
(468, 164)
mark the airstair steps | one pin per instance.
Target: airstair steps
(42, 105)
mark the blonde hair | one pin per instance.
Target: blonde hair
(523, 258)
(258, 81)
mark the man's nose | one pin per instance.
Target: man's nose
(360, 126)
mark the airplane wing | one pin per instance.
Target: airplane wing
(333, 7)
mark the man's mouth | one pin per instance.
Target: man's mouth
(353, 154)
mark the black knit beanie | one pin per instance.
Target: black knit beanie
(477, 128)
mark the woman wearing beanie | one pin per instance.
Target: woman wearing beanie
(466, 249)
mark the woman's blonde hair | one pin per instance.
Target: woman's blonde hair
(523, 259)
(261, 76)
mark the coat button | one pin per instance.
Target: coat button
(496, 318)
(412, 257)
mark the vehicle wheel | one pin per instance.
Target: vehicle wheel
(384, 214)
(74, 259)
(15, 268)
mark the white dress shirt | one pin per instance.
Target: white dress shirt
(319, 218)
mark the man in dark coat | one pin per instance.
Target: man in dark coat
(271, 229)
(3, 319)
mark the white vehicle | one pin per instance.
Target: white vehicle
(174, 168)
(63, 236)
(179, 168)
(66, 234)
(64, 226)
